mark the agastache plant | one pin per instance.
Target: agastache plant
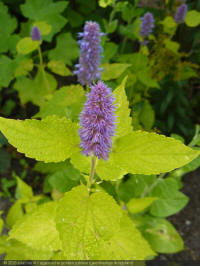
(90, 49)
(35, 34)
(180, 13)
(97, 122)
(147, 24)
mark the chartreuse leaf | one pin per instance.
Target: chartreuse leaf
(44, 27)
(52, 139)
(14, 214)
(24, 67)
(66, 49)
(16, 250)
(7, 68)
(58, 67)
(113, 71)
(149, 153)
(36, 90)
(41, 225)
(192, 18)
(162, 235)
(24, 191)
(123, 123)
(105, 3)
(9, 25)
(67, 101)
(27, 45)
(136, 205)
(48, 11)
(89, 230)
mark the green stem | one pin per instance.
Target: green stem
(148, 190)
(42, 68)
(92, 172)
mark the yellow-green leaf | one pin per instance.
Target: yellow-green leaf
(136, 205)
(113, 71)
(52, 139)
(58, 67)
(27, 45)
(43, 26)
(192, 18)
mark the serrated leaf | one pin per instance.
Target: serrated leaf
(192, 18)
(113, 71)
(27, 45)
(149, 153)
(41, 225)
(36, 90)
(136, 205)
(123, 124)
(48, 11)
(9, 24)
(66, 49)
(87, 227)
(58, 67)
(67, 101)
(44, 27)
(52, 139)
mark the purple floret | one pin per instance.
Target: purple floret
(180, 13)
(147, 24)
(90, 49)
(35, 34)
(97, 122)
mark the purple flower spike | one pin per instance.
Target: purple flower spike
(97, 122)
(180, 13)
(147, 24)
(90, 49)
(35, 34)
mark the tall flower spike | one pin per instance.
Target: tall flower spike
(180, 13)
(97, 122)
(147, 24)
(35, 34)
(88, 68)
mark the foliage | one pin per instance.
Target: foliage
(122, 214)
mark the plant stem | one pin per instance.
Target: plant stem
(148, 190)
(92, 172)
(42, 68)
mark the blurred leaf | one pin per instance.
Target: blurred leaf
(169, 201)
(14, 214)
(44, 27)
(26, 45)
(171, 45)
(105, 3)
(48, 11)
(7, 68)
(136, 205)
(110, 49)
(36, 90)
(58, 67)
(1, 224)
(50, 167)
(75, 19)
(24, 67)
(111, 26)
(113, 71)
(66, 49)
(162, 235)
(67, 101)
(8, 25)
(192, 18)
(169, 25)
(147, 115)
(23, 191)
(146, 79)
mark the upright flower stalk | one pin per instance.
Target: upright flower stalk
(97, 122)
(180, 13)
(88, 67)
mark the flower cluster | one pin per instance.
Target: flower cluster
(180, 13)
(88, 68)
(35, 34)
(147, 24)
(97, 122)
